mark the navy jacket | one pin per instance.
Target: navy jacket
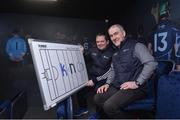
(126, 65)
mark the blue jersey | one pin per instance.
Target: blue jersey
(16, 48)
(166, 42)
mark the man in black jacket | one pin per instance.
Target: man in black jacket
(98, 62)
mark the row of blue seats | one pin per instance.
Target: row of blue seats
(168, 96)
(15, 107)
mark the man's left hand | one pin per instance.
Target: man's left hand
(129, 85)
(90, 83)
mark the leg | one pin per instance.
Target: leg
(94, 111)
(102, 97)
(114, 105)
(82, 96)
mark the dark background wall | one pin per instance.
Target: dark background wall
(53, 29)
(142, 15)
(175, 8)
(65, 30)
(138, 16)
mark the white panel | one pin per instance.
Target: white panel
(76, 78)
(60, 70)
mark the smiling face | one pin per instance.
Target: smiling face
(101, 42)
(117, 34)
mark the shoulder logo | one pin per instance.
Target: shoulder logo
(161, 26)
(125, 50)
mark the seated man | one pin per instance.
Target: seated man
(98, 61)
(132, 66)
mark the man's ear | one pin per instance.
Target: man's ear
(107, 42)
(124, 33)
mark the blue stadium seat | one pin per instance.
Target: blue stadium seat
(149, 103)
(19, 105)
(5, 109)
(168, 96)
(165, 67)
(15, 107)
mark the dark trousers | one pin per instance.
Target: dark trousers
(114, 100)
(82, 95)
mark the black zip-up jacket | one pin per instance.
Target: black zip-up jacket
(98, 62)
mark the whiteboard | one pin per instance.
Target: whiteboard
(60, 70)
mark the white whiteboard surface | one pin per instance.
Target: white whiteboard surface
(60, 70)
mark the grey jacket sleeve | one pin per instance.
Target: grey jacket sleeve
(148, 61)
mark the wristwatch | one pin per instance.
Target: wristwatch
(137, 83)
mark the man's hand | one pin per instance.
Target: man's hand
(103, 88)
(90, 83)
(81, 48)
(128, 85)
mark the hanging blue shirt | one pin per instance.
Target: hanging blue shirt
(16, 48)
(165, 37)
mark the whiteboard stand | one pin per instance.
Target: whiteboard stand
(65, 109)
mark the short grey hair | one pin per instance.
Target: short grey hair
(118, 26)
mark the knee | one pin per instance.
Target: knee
(98, 100)
(109, 108)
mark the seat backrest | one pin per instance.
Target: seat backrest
(151, 87)
(19, 105)
(165, 67)
(168, 105)
(5, 109)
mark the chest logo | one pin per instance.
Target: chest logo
(125, 50)
(105, 57)
(115, 54)
(94, 54)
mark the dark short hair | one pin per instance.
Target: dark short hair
(102, 34)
